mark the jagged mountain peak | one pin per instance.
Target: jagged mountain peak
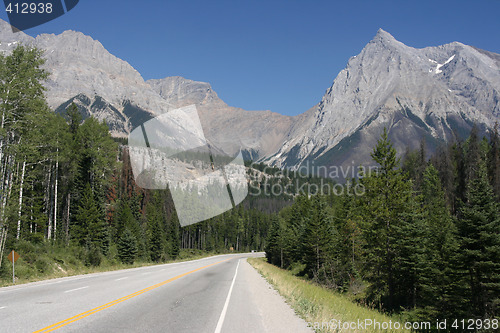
(384, 38)
(382, 34)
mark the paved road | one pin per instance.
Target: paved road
(216, 294)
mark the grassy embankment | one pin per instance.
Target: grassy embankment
(318, 305)
(46, 261)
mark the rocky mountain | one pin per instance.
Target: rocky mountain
(434, 93)
(108, 88)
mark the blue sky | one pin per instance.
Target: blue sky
(269, 55)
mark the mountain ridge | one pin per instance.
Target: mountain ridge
(388, 77)
(431, 93)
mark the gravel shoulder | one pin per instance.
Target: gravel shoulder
(256, 306)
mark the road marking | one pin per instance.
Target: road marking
(2, 307)
(45, 283)
(82, 315)
(224, 309)
(68, 291)
(146, 273)
(123, 278)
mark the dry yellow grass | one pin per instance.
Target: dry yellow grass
(323, 309)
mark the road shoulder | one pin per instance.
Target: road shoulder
(257, 305)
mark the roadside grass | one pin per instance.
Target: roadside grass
(46, 261)
(319, 306)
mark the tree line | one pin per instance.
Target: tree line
(423, 241)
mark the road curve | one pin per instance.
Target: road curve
(216, 294)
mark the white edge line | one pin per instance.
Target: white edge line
(226, 304)
(123, 278)
(2, 307)
(68, 291)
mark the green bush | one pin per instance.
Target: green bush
(189, 253)
(94, 257)
(127, 247)
(42, 264)
(23, 271)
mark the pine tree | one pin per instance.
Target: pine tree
(97, 154)
(317, 237)
(385, 155)
(382, 210)
(479, 231)
(90, 228)
(173, 237)
(414, 164)
(295, 229)
(443, 162)
(410, 256)
(71, 187)
(439, 274)
(494, 161)
(472, 155)
(74, 118)
(156, 236)
(124, 220)
(127, 247)
(274, 247)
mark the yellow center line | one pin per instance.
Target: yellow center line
(82, 315)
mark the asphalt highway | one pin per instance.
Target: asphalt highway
(216, 294)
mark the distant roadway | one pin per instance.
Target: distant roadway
(216, 294)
